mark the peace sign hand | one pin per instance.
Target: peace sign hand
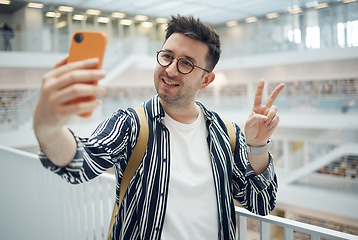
(263, 119)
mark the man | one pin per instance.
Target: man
(188, 178)
(7, 33)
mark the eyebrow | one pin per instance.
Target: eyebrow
(187, 57)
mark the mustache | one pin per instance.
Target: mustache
(166, 76)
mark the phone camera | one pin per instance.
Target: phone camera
(78, 37)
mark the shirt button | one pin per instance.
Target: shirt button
(162, 194)
(157, 229)
(164, 160)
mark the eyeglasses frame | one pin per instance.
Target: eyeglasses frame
(178, 59)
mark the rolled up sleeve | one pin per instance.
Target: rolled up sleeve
(112, 142)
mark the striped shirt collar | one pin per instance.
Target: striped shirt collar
(156, 111)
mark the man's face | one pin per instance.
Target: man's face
(174, 87)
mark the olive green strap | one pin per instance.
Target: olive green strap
(232, 134)
(133, 163)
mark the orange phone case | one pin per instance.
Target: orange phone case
(87, 44)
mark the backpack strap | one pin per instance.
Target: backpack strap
(231, 132)
(133, 163)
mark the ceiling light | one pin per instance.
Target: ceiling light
(162, 20)
(93, 12)
(349, 1)
(5, 2)
(141, 18)
(250, 19)
(35, 5)
(321, 5)
(103, 20)
(271, 15)
(232, 23)
(147, 24)
(295, 10)
(53, 14)
(61, 24)
(311, 4)
(126, 22)
(118, 15)
(65, 9)
(79, 17)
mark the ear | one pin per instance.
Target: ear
(208, 78)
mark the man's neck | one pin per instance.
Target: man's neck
(185, 114)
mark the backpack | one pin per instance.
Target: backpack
(137, 156)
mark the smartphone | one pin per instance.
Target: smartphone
(84, 45)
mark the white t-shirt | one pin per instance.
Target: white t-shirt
(192, 211)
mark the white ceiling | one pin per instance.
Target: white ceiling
(209, 11)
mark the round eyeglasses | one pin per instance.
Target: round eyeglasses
(184, 65)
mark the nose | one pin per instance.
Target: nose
(172, 69)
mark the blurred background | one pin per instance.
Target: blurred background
(311, 46)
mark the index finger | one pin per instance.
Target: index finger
(61, 63)
(63, 67)
(274, 94)
(258, 95)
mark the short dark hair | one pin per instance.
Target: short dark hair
(195, 29)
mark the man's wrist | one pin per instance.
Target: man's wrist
(259, 150)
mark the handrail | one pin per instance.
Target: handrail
(46, 207)
(289, 226)
(37, 204)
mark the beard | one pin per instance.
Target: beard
(176, 91)
(171, 90)
(166, 95)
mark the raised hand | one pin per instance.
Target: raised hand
(263, 119)
(63, 84)
(59, 86)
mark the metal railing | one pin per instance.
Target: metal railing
(37, 204)
(316, 233)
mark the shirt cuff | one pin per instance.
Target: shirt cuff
(263, 180)
(74, 166)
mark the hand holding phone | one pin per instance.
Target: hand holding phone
(85, 45)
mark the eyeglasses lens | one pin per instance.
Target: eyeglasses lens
(184, 65)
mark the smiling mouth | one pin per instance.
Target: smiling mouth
(170, 83)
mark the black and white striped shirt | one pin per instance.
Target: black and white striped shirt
(141, 215)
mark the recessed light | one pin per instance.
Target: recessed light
(232, 23)
(295, 10)
(141, 18)
(93, 12)
(5, 2)
(118, 15)
(53, 14)
(103, 20)
(250, 19)
(126, 22)
(79, 17)
(35, 5)
(162, 20)
(65, 9)
(147, 24)
(271, 15)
